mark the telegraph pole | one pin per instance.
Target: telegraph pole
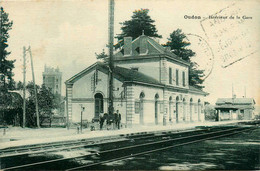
(111, 62)
(1, 53)
(1, 58)
(35, 90)
(24, 86)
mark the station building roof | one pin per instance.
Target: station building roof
(120, 73)
(130, 76)
(235, 103)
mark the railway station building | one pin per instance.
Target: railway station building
(151, 87)
(235, 108)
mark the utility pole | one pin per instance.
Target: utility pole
(111, 62)
(1, 53)
(24, 86)
(35, 90)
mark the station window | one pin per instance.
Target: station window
(161, 108)
(170, 75)
(183, 79)
(177, 77)
(137, 107)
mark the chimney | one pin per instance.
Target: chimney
(127, 46)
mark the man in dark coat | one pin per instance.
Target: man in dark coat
(101, 121)
(115, 119)
(118, 119)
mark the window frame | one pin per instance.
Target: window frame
(137, 107)
(183, 79)
(170, 75)
(177, 77)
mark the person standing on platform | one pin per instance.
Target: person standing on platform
(118, 119)
(101, 121)
(115, 120)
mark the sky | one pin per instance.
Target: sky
(67, 34)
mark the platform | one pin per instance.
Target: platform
(17, 136)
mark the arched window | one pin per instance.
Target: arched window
(191, 111)
(170, 108)
(199, 108)
(184, 109)
(99, 104)
(141, 118)
(156, 97)
(177, 108)
(142, 95)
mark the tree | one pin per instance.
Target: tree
(19, 86)
(30, 105)
(46, 103)
(12, 111)
(6, 66)
(195, 76)
(101, 55)
(139, 23)
(179, 46)
(210, 112)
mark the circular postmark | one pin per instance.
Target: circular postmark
(204, 56)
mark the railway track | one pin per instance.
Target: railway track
(59, 146)
(123, 148)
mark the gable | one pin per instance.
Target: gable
(81, 74)
(142, 47)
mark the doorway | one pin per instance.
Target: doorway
(177, 109)
(99, 105)
(199, 108)
(170, 109)
(142, 108)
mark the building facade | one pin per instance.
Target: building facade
(150, 87)
(235, 108)
(52, 78)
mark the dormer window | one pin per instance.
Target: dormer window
(137, 50)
